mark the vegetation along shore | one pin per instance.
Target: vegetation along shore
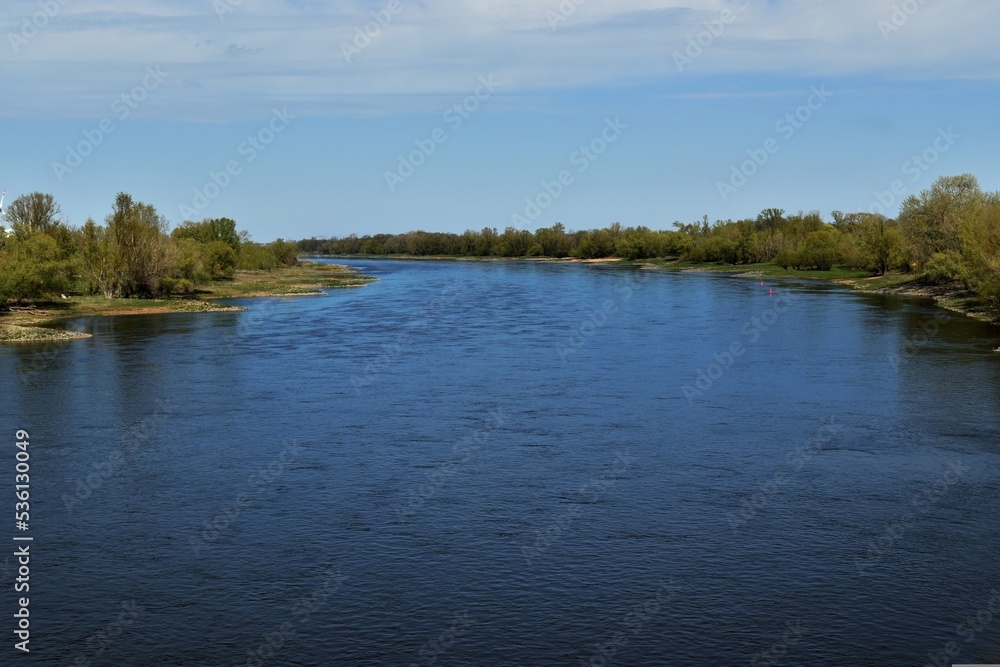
(944, 244)
(133, 264)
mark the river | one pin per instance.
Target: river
(514, 464)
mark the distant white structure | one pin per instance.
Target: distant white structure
(4, 230)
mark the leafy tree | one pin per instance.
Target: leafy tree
(32, 267)
(788, 258)
(933, 222)
(878, 240)
(256, 257)
(219, 259)
(946, 267)
(637, 243)
(848, 222)
(820, 249)
(137, 236)
(595, 244)
(982, 251)
(97, 259)
(209, 230)
(553, 241)
(189, 262)
(32, 212)
(286, 253)
(513, 243)
(770, 218)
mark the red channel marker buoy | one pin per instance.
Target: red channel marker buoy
(770, 292)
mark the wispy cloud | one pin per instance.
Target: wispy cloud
(287, 50)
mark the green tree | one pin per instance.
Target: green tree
(209, 230)
(97, 259)
(32, 267)
(595, 244)
(552, 241)
(137, 236)
(982, 251)
(933, 223)
(220, 260)
(878, 240)
(255, 257)
(820, 249)
(33, 212)
(284, 252)
(788, 258)
(189, 262)
(485, 242)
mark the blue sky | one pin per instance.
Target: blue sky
(308, 116)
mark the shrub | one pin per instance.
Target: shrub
(945, 268)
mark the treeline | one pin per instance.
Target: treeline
(950, 233)
(133, 254)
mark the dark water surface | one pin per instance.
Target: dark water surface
(514, 464)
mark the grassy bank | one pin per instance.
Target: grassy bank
(308, 278)
(40, 321)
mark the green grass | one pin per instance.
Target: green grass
(306, 279)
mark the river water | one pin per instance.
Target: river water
(515, 464)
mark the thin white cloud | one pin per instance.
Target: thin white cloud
(265, 52)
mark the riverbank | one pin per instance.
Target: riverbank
(41, 321)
